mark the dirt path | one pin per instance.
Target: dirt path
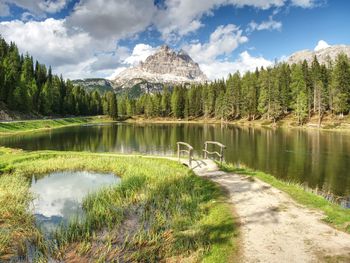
(274, 228)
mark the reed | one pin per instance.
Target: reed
(160, 210)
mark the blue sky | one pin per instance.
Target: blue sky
(96, 38)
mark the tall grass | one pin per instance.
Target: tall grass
(160, 210)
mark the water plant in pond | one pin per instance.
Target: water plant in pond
(159, 211)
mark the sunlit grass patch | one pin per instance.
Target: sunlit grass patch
(159, 211)
(34, 125)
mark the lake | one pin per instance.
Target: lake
(318, 159)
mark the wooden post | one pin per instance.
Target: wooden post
(206, 149)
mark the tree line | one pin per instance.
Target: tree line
(26, 86)
(303, 89)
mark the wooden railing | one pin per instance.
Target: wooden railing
(219, 154)
(188, 150)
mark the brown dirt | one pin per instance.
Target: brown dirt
(273, 227)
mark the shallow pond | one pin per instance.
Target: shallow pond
(59, 195)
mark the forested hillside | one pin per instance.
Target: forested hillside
(29, 87)
(272, 93)
(302, 89)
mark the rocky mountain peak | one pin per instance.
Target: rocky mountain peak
(165, 66)
(324, 55)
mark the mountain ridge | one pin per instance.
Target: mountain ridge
(324, 55)
(165, 66)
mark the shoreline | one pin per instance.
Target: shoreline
(26, 126)
(283, 124)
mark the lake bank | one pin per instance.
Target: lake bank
(20, 126)
(16, 127)
(329, 123)
(200, 227)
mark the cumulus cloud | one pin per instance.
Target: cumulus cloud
(321, 45)
(140, 53)
(38, 7)
(222, 41)
(112, 18)
(49, 41)
(305, 3)
(86, 41)
(180, 17)
(245, 62)
(265, 25)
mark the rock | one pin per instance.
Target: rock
(164, 67)
(99, 84)
(324, 56)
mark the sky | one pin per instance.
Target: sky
(100, 38)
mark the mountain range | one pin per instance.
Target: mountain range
(168, 67)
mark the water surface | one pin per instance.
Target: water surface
(319, 159)
(59, 195)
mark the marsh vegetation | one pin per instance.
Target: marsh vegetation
(160, 210)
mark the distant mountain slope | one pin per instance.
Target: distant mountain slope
(323, 56)
(99, 84)
(164, 67)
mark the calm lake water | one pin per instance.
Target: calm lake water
(59, 195)
(320, 159)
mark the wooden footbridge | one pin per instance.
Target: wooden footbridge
(186, 149)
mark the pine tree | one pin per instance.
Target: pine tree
(165, 102)
(177, 102)
(341, 85)
(233, 95)
(299, 91)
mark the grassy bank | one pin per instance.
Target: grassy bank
(160, 211)
(35, 125)
(335, 215)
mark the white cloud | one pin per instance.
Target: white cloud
(86, 41)
(112, 18)
(304, 3)
(38, 7)
(48, 41)
(245, 62)
(180, 17)
(140, 53)
(321, 45)
(222, 41)
(265, 25)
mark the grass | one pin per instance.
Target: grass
(335, 215)
(35, 125)
(160, 211)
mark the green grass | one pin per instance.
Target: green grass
(34, 125)
(335, 215)
(160, 211)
